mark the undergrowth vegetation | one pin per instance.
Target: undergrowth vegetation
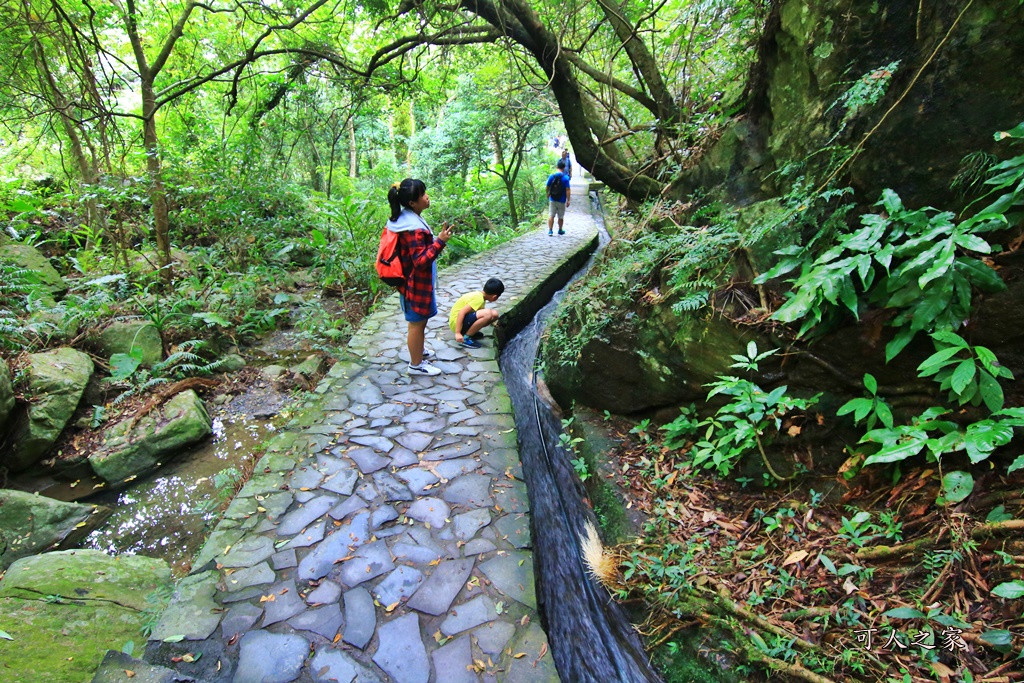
(901, 566)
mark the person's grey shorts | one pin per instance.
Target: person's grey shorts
(557, 209)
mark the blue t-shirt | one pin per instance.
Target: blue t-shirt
(558, 196)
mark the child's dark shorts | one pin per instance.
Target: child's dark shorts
(467, 322)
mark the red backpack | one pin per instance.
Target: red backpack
(389, 266)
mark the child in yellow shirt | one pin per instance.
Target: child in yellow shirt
(468, 315)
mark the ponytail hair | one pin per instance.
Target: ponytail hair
(404, 193)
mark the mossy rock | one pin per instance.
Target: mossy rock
(32, 260)
(6, 394)
(65, 610)
(126, 336)
(30, 524)
(133, 447)
(56, 381)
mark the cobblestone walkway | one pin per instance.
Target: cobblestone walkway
(385, 535)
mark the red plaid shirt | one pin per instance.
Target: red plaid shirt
(417, 249)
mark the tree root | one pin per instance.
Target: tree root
(883, 553)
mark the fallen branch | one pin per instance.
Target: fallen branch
(883, 553)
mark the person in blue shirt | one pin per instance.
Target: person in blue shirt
(558, 197)
(568, 162)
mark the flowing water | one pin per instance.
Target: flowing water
(170, 513)
(590, 634)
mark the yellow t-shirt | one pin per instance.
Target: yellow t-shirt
(474, 299)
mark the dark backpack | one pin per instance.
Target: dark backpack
(389, 266)
(556, 185)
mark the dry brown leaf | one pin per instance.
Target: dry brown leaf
(794, 557)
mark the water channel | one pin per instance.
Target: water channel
(592, 639)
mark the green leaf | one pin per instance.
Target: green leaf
(122, 365)
(1016, 132)
(985, 436)
(936, 361)
(891, 201)
(991, 391)
(6, 636)
(947, 620)
(963, 375)
(174, 639)
(211, 319)
(997, 638)
(998, 514)
(751, 350)
(973, 243)
(896, 453)
(1017, 464)
(957, 485)
(899, 342)
(870, 383)
(980, 275)
(941, 261)
(20, 206)
(904, 613)
(884, 413)
(947, 337)
(1010, 590)
(829, 565)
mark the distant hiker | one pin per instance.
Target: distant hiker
(568, 163)
(418, 250)
(469, 316)
(558, 197)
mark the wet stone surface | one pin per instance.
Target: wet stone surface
(385, 537)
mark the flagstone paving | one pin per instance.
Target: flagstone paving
(385, 534)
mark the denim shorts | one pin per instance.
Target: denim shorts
(413, 317)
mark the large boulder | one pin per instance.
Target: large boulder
(6, 394)
(65, 610)
(651, 360)
(125, 336)
(826, 80)
(31, 524)
(132, 446)
(56, 380)
(32, 260)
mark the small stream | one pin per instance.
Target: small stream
(170, 514)
(592, 639)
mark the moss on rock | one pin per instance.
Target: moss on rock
(64, 610)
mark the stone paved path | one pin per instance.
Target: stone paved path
(385, 535)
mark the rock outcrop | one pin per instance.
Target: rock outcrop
(126, 336)
(6, 395)
(133, 447)
(56, 381)
(31, 524)
(32, 260)
(65, 610)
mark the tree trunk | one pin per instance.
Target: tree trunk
(60, 104)
(353, 159)
(517, 20)
(157, 192)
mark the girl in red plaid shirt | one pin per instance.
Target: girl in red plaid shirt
(418, 250)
